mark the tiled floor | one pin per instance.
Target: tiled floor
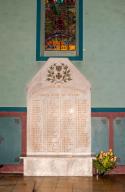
(18, 183)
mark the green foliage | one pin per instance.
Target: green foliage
(105, 161)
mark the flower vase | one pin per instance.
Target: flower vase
(99, 174)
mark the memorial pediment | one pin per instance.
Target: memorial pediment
(58, 73)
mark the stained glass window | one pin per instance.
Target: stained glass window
(59, 29)
(60, 25)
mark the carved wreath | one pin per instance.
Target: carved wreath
(59, 73)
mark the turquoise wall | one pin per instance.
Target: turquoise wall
(104, 55)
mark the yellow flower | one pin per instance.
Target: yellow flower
(100, 156)
(104, 154)
(110, 150)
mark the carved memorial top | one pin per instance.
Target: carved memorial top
(57, 72)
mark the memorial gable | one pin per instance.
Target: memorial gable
(58, 72)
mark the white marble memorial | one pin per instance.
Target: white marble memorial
(58, 122)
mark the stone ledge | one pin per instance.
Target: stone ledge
(54, 166)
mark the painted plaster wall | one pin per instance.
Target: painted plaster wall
(104, 55)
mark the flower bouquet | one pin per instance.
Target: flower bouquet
(105, 161)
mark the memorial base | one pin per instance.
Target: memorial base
(58, 166)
